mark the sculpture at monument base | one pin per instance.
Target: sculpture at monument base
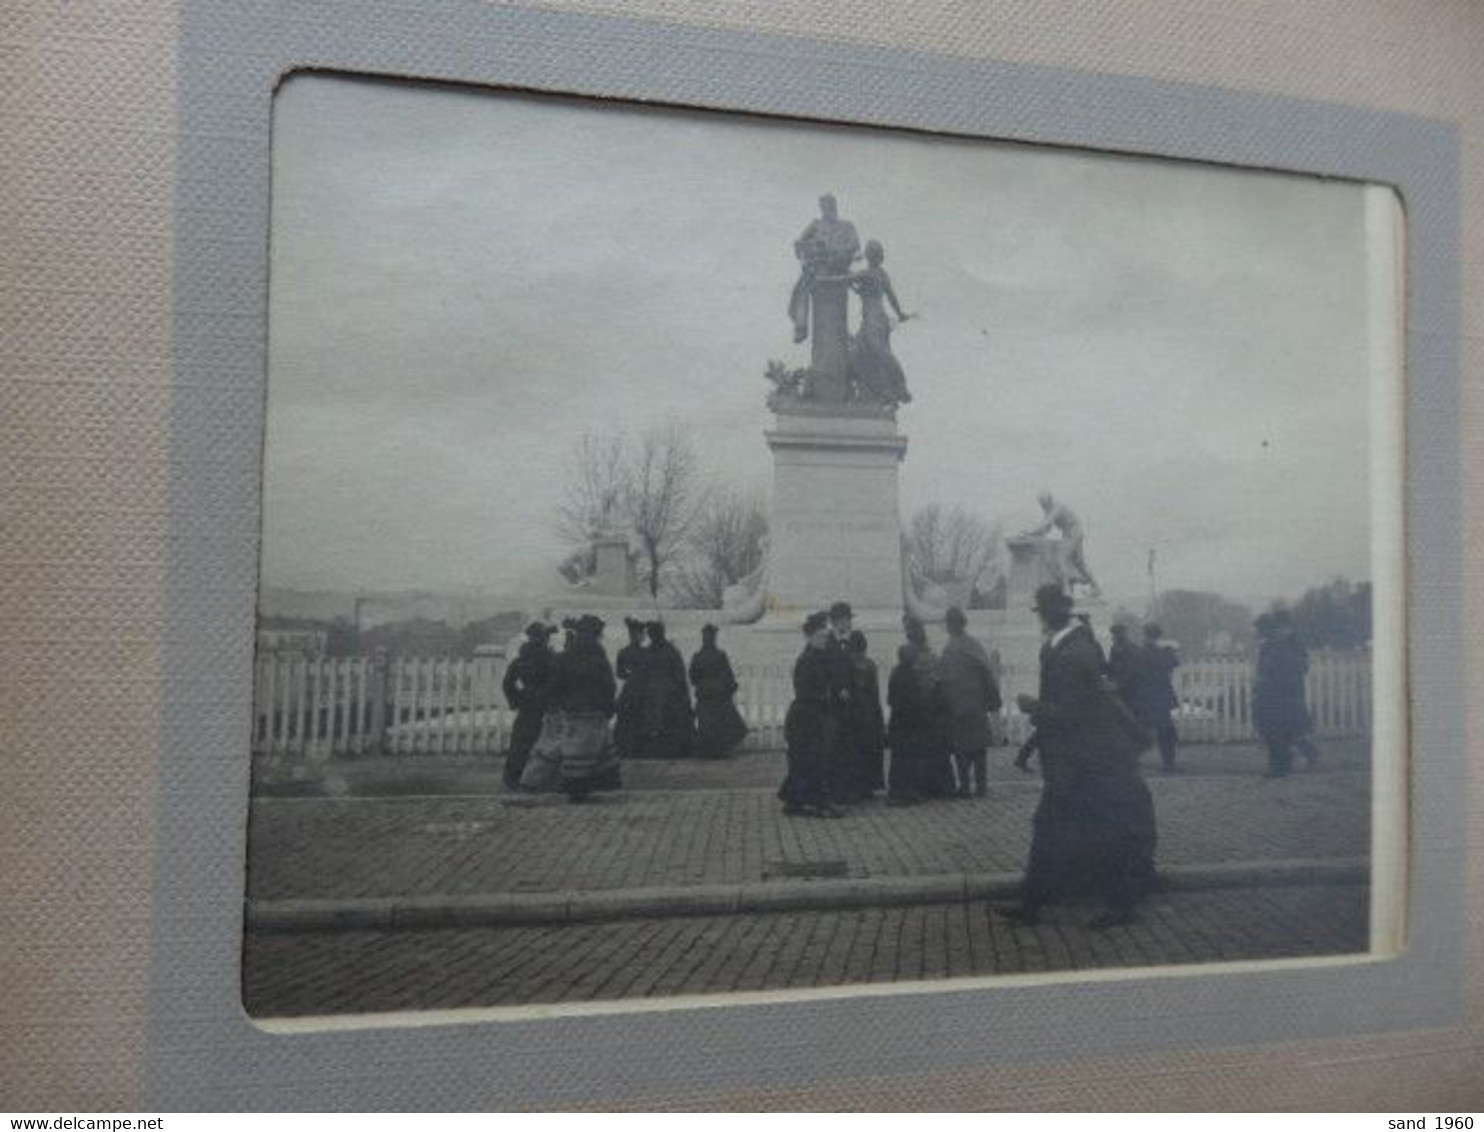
(1068, 559)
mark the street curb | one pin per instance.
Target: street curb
(395, 913)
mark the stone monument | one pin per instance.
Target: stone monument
(835, 528)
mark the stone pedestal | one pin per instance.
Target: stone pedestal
(830, 335)
(1032, 565)
(613, 575)
(835, 530)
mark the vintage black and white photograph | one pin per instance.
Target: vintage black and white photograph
(706, 554)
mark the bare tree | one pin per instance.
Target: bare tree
(597, 490)
(661, 498)
(951, 545)
(725, 544)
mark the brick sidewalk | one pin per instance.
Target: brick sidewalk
(340, 972)
(379, 847)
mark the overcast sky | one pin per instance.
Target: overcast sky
(464, 282)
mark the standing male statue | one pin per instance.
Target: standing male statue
(827, 248)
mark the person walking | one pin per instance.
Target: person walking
(971, 694)
(1094, 828)
(1158, 699)
(1280, 712)
(719, 726)
(527, 689)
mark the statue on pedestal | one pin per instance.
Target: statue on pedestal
(857, 374)
(1068, 562)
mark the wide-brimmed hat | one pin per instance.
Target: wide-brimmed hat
(840, 611)
(537, 631)
(1051, 598)
(588, 623)
(708, 630)
(815, 622)
(633, 624)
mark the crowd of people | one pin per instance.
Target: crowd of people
(943, 709)
(577, 716)
(1094, 831)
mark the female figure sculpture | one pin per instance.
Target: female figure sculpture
(874, 370)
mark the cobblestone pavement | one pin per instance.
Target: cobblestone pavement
(429, 774)
(341, 972)
(366, 847)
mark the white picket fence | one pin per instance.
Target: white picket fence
(319, 707)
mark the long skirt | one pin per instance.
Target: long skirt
(574, 754)
(1092, 836)
(719, 727)
(524, 733)
(810, 734)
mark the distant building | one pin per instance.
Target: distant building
(307, 642)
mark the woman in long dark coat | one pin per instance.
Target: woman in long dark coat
(1094, 830)
(629, 668)
(867, 727)
(811, 727)
(527, 687)
(719, 726)
(935, 777)
(575, 739)
(908, 723)
(666, 726)
(1280, 712)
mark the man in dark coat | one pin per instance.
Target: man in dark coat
(1126, 666)
(666, 725)
(1094, 829)
(811, 726)
(719, 726)
(1153, 707)
(1279, 709)
(527, 687)
(629, 668)
(971, 694)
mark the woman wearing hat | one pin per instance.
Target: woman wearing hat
(719, 726)
(666, 725)
(1280, 712)
(932, 761)
(811, 726)
(527, 688)
(1093, 831)
(575, 748)
(629, 667)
